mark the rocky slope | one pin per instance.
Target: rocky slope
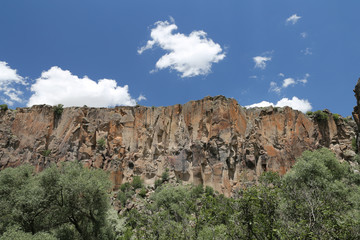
(213, 141)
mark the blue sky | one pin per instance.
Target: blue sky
(304, 53)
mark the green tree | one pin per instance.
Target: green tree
(70, 201)
(16, 233)
(83, 199)
(4, 107)
(318, 196)
(58, 110)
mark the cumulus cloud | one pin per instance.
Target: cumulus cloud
(260, 104)
(260, 61)
(191, 55)
(293, 19)
(9, 81)
(57, 86)
(302, 105)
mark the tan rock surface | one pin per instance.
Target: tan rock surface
(213, 141)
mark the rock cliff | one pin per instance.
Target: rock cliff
(213, 141)
(356, 112)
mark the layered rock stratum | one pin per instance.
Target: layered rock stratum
(213, 141)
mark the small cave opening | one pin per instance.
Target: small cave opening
(131, 165)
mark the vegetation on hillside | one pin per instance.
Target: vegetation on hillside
(318, 199)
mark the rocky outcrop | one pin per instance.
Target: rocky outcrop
(213, 141)
(356, 112)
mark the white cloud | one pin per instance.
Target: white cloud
(307, 51)
(57, 86)
(302, 105)
(253, 77)
(260, 61)
(293, 19)
(304, 34)
(274, 87)
(305, 79)
(190, 55)
(260, 104)
(287, 82)
(8, 80)
(141, 98)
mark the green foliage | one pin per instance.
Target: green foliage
(143, 192)
(158, 183)
(136, 182)
(164, 178)
(46, 152)
(165, 175)
(16, 233)
(320, 115)
(101, 144)
(336, 117)
(209, 191)
(125, 187)
(309, 113)
(127, 190)
(4, 107)
(58, 110)
(357, 158)
(66, 201)
(354, 145)
(317, 197)
(124, 196)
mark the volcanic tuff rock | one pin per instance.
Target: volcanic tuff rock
(356, 112)
(213, 141)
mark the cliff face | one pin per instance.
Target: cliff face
(213, 141)
(356, 112)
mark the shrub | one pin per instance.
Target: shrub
(336, 117)
(356, 158)
(209, 191)
(158, 183)
(124, 196)
(142, 192)
(197, 191)
(125, 187)
(165, 175)
(320, 115)
(137, 182)
(4, 107)
(46, 152)
(309, 113)
(58, 110)
(354, 144)
(101, 144)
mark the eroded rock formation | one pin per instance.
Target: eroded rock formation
(213, 141)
